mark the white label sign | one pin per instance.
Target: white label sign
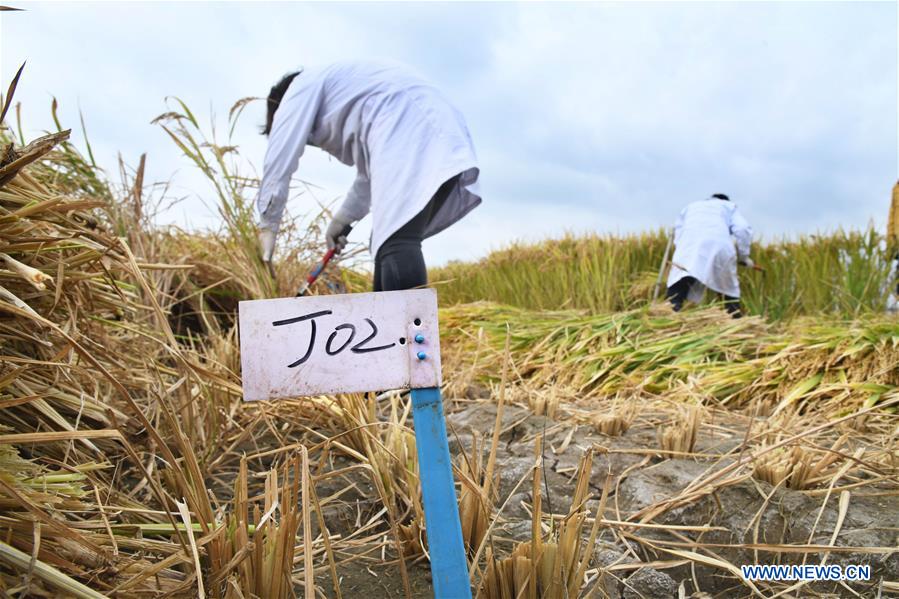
(292, 347)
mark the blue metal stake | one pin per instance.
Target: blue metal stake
(449, 567)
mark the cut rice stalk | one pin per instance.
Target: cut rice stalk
(35, 277)
(48, 574)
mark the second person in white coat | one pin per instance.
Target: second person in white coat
(710, 238)
(416, 170)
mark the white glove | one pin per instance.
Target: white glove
(747, 262)
(267, 244)
(335, 235)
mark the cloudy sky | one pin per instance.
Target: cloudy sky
(586, 116)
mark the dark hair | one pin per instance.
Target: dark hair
(720, 196)
(274, 100)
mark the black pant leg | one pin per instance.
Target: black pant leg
(400, 263)
(677, 293)
(732, 305)
(376, 278)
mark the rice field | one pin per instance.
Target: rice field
(840, 273)
(604, 446)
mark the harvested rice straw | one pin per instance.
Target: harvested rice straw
(795, 466)
(616, 420)
(680, 437)
(15, 301)
(473, 512)
(554, 568)
(33, 276)
(52, 576)
(536, 547)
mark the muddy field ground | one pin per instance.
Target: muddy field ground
(735, 520)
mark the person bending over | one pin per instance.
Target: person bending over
(710, 238)
(416, 170)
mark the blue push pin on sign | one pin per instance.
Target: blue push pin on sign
(293, 347)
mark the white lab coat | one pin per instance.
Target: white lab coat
(709, 237)
(404, 138)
